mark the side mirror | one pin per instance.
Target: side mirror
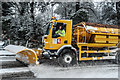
(54, 29)
(54, 24)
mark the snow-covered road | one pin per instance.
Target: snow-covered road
(97, 69)
(50, 69)
(10, 68)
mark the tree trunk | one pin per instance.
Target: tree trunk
(77, 6)
(65, 13)
(32, 14)
(0, 20)
(118, 11)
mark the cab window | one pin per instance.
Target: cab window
(58, 30)
(48, 28)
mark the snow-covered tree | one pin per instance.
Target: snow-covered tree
(118, 12)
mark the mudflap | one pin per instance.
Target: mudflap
(27, 56)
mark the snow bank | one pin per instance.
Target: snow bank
(14, 48)
(3, 53)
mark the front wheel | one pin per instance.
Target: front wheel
(67, 58)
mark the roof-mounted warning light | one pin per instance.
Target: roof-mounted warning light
(53, 18)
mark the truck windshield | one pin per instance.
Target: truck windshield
(48, 28)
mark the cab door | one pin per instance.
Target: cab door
(54, 43)
(59, 41)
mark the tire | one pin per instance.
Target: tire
(67, 58)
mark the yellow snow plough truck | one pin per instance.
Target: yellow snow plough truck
(81, 42)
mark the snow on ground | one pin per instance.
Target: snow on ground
(108, 70)
(14, 70)
(10, 68)
(6, 53)
(14, 48)
(96, 71)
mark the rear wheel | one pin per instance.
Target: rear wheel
(67, 58)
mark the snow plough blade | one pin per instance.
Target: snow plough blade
(24, 54)
(27, 56)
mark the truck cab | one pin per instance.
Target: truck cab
(59, 46)
(51, 40)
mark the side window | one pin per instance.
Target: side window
(48, 28)
(59, 30)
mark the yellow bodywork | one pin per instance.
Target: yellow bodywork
(28, 56)
(92, 34)
(87, 51)
(68, 36)
(95, 37)
(83, 35)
